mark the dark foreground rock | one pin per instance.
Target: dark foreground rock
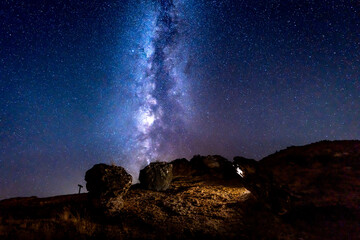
(156, 176)
(182, 167)
(213, 165)
(325, 173)
(262, 185)
(107, 186)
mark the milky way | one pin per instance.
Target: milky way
(160, 86)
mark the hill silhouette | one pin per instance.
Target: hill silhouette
(206, 200)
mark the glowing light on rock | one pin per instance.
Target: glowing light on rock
(240, 172)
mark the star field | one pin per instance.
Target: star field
(129, 82)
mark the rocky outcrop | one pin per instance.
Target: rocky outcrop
(156, 176)
(262, 185)
(107, 186)
(322, 173)
(182, 167)
(214, 165)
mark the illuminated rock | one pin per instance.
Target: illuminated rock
(156, 176)
(107, 186)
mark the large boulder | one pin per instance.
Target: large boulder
(156, 176)
(107, 185)
(214, 166)
(182, 167)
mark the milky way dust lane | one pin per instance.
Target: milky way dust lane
(160, 84)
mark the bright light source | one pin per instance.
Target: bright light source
(240, 172)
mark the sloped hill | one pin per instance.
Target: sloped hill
(325, 177)
(323, 173)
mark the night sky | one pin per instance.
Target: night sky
(129, 82)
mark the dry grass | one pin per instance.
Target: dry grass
(82, 224)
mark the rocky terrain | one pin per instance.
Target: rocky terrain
(307, 192)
